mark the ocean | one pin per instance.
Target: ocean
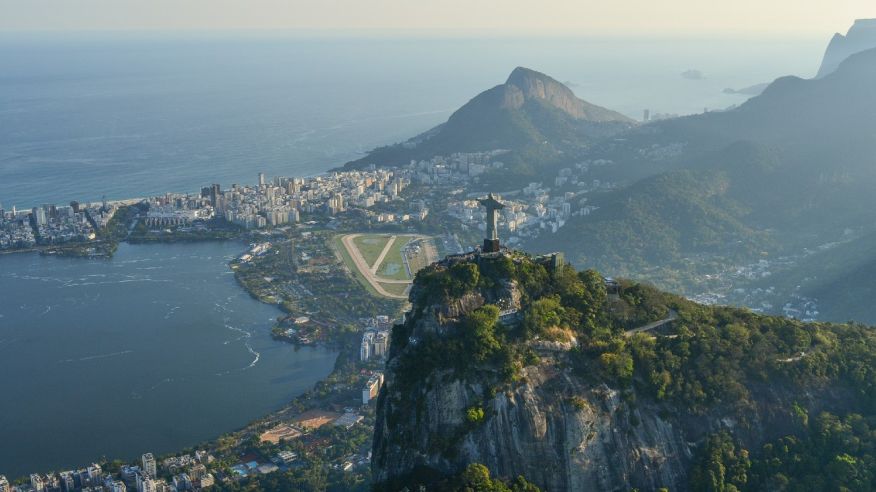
(122, 115)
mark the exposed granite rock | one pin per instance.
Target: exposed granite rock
(524, 84)
(536, 430)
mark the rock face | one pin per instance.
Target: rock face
(537, 431)
(861, 37)
(529, 108)
(524, 84)
(559, 429)
(529, 111)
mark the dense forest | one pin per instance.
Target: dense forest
(710, 361)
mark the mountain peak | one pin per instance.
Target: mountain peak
(860, 37)
(525, 84)
(863, 24)
(520, 75)
(530, 110)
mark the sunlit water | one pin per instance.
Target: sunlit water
(154, 350)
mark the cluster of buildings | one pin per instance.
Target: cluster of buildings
(456, 169)
(375, 339)
(15, 232)
(52, 224)
(529, 213)
(173, 210)
(538, 208)
(375, 346)
(282, 200)
(188, 473)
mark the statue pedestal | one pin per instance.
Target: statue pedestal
(491, 246)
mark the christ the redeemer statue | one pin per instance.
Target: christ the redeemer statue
(491, 242)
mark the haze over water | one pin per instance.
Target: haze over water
(127, 115)
(155, 350)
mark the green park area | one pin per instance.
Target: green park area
(385, 264)
(371, 245)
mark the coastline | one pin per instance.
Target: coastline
(342, 342)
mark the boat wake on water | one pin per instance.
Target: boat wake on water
(96, 357)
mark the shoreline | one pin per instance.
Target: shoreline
(264, 330)
(342, 346)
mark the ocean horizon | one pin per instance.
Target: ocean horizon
(123, 115)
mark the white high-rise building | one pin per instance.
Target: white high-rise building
(149, 465)
(36, 483)
(365, 350)
(68, 483)
(261, 179)
(95, 473)
(145, 483)
(39, 216)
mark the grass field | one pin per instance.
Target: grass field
(397, 289)
(370, 245)
(390, 278)
(345, 256)
(393, 265)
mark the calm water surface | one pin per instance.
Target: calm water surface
(154, 350)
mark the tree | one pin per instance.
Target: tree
(479, 331)
(465, 277)
(542, 314)
(721, 468)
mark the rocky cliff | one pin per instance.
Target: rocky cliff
(861, 37)
(556, 431)
(525, 84)
(462, 387)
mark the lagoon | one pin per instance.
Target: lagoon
(154, 350)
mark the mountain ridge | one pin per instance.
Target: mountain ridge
(529, 112)
(797, 163)
(861, 36)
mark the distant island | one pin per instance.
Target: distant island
(692, 74)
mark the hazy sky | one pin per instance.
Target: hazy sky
(578, 16)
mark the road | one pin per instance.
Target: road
(673, 315)
(382, 254)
